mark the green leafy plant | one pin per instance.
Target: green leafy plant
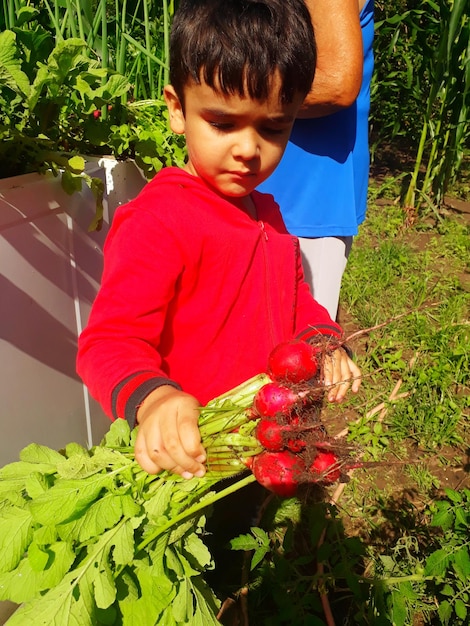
(449, 565)
(80, 539)
(46, 119)
(129, 37)
(51, 114)
(302, 561)
(146, 137)
(429, 576)
(422, 56)
(89, 537)
(301, 553)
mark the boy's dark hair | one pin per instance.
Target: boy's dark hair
(236, 46)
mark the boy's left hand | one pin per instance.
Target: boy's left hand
(340, 373)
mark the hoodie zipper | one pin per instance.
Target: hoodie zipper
(264, 244)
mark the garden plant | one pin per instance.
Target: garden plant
(381, 536)
(71, 86)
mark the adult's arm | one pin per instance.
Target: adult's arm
(338, 72)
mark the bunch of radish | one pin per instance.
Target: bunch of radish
(296, 447)
(280, 436)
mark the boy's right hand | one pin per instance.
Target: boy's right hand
(168, 436)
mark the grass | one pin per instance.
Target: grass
(391, 546)
(417, 274)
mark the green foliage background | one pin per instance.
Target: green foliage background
(420, 89)
(421, 92)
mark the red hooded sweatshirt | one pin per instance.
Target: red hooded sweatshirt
(195, 293)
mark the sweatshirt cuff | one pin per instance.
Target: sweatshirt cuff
(132, 391)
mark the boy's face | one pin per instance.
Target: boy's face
(233, 143)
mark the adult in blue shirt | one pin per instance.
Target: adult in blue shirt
(322, 180)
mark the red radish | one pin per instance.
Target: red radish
(273, 399)
(325, 467)
(296, 445)
(294, 361)
(274, 436)
(270, 434)
(279, 472)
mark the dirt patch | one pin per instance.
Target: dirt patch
(458, 207)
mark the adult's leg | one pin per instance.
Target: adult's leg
(324, 261)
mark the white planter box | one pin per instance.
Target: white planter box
(50, 269)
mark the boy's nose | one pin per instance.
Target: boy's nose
(246, 146)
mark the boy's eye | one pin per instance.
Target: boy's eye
(223, 126)
(274, 131)
(271, 131)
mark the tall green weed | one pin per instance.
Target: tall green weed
(421, 92)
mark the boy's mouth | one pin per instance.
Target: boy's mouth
(244, 174)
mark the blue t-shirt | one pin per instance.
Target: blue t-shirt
(321, 182)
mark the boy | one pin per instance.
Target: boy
(201, 279)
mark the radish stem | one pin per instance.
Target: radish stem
(202, 504)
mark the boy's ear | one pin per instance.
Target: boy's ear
(175, 110)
